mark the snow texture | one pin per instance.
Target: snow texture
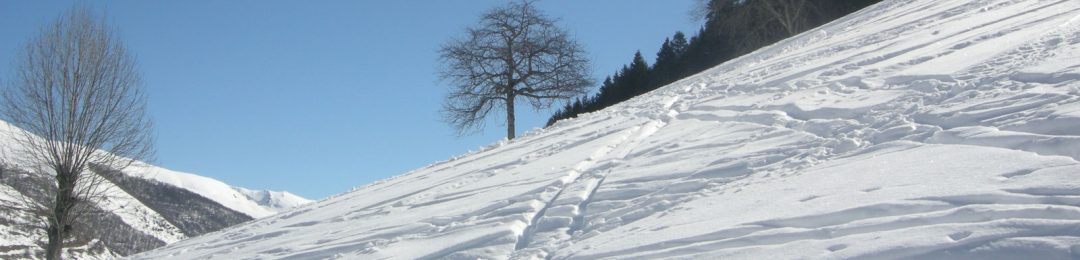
(925, 129)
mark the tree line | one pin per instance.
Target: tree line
(732, 28)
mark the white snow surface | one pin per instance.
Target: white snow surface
(254, 203)
(926, 129)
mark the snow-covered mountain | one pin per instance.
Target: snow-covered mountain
(147, 207)
(273, 201)
(254, 203)
(923, 129)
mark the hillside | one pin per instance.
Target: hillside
(928, 129)
(148, 207)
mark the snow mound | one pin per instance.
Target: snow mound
(926, 129)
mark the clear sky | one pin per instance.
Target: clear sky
(317, 97)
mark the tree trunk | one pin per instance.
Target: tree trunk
(65, 200)
(510, 115)
(56, 241)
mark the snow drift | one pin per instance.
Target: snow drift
(911, 129)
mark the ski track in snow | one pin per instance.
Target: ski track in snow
(927, 129)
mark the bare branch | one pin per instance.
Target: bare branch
(80, 102)
(515, 51)
(761, 21)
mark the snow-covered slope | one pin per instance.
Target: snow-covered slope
(918, 129)
(274, 201)
(146, 207)
(253, 203)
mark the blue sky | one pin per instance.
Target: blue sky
(317, 97)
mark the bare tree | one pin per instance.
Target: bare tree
(790, 14)
(514, 52)
(762, 21)
(77, 95)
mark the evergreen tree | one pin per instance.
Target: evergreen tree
(679, 47)
(679, 44)
(732, 28)
(637, 76)
(665, 56)
(664, 65)
(608, 92)
(667, 67)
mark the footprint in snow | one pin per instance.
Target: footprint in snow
(959, 235)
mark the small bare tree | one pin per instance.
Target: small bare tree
(514, 52)
(791, 14)
(77, 95)
(762, 21)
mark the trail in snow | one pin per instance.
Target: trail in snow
(926, 129)
(559, 219)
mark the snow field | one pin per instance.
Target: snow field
(929, 129)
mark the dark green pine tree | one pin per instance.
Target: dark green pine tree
(664, 65)
(666, 55)
(578, 107)
(679, 44)
(637, 76)
(608, 92)
(623, 85)
(667, 67)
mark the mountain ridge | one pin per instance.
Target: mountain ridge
(143, 210)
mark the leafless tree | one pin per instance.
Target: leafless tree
(790, 14)
(77, 95)
(514, 52)
(760, 21)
